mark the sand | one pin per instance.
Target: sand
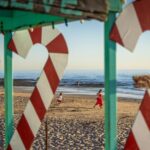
(74, 124)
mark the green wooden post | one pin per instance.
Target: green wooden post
(110, 87)
(8, 83)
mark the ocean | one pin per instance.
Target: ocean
(90, 81)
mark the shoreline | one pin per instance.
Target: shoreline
(22, 96)
(28, 89)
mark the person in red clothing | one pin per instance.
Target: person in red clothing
(99, 99)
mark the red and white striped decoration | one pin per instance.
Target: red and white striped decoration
(47, 84)
(132, 22)
(139, 137)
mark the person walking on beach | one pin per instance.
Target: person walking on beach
(60, 98)
(99, 99)
(78, 83)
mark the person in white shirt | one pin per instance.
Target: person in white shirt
(59, 98)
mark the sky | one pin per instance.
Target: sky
(86, 50)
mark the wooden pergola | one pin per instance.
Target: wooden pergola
(14, 18)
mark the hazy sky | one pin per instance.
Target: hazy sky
(86, 50)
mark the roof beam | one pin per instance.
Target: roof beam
(11, 20)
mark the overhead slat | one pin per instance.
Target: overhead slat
(73, 9)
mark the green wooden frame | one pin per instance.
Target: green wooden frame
(11, 20)
(110, 87)
(8, 86)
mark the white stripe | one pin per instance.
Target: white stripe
(32, 118)
(16, 142)
(59, 61)
(45, 90)
(129, 27)
(48, 34)
(148, 90)
(23, 42)
(141, 132)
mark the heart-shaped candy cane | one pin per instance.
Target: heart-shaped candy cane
(131, 23)
(139, 137)
(47, 84)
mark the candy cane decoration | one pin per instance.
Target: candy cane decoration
(45, 88)
(134, 20)
(139, 137)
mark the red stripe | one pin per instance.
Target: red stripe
(25, 132)
(9, 147)
(51, 75)
(37, 102)
(131, 143)
(58, 45)
(36, 35)
(115, 35)
(142, 8)
(145, 108)
(12, 46)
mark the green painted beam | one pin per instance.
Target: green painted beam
(8, 87)
(11, 20)
(110, 87)
(115, 5)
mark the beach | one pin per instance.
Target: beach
(74, 124)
